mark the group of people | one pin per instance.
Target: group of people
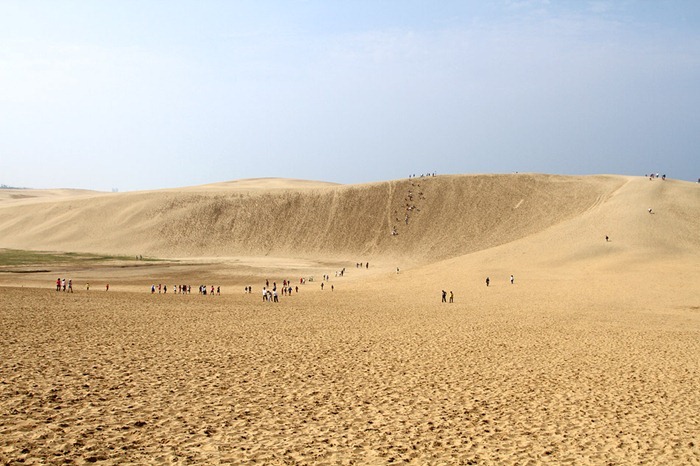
(67, 285)
(62, 285)
(270, 295)
(444, 296)
(185, 289)
(409, 205)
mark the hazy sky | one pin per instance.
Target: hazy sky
(151, 94)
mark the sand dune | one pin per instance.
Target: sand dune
(590, 357)
(434, 218)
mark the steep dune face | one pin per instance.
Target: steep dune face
(647, 254)
(421, 219)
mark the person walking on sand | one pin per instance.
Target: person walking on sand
(321, 286)
(58, 284)
(452, 297)
(512, 279)
(70, 285)
(107, 287)
(444, 296)
(488, 280)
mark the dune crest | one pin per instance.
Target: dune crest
(420, 219)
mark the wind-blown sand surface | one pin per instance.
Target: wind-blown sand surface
(592, 356)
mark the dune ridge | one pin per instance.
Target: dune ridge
(434, 218)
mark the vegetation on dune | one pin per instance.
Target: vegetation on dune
(20, 257)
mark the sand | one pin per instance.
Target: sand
(592, 356)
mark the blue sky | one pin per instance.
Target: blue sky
(153, 94)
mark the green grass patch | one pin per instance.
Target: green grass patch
(19, 257)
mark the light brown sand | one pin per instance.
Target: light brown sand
(591, 357)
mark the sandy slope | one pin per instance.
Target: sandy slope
(590, 357)
(435, 218)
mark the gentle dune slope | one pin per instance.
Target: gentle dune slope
(434, 218)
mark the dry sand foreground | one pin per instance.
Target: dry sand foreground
(591, 357)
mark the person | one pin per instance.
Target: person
(63, 284)
(332, 287)
(107, 287)
(397, 270)
(274, 295)
(606, 238)
(650, 210)
(153, 288)
(488, 280)
(296, 289)
(512, 279)
(264, 295)
(87, 286)
(444, 296)
(321, 286)
(58, 284)
(452, 297)
(70, 285)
